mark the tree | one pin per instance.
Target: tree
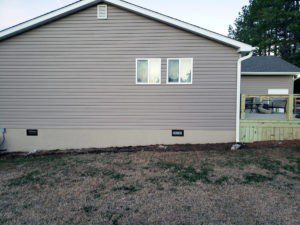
(271, 25)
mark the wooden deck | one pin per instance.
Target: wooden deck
(253, 130)
(275, 116)
(255, 126)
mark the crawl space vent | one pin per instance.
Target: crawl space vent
(102, 12)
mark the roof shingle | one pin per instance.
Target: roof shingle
(268, 64)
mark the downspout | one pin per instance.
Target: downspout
(3, 131)
(238, 95)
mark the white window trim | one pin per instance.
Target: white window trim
(98, 9)
(147, 59)
(179, 80)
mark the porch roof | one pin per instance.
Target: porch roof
(268, 65)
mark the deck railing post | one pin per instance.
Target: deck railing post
(243, 106)
(290, 107)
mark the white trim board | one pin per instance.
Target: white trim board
(275, 91)
(242, 47)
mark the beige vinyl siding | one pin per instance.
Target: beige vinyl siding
(260, 84)
(79, 72)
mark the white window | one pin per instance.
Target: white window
(278, 91)
(180, 71)
(102, 12)
(148, 71)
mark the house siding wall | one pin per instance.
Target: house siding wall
(79, 72)
(260, 84)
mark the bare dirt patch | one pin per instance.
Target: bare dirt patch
(185, 186)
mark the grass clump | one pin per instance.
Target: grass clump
(157, 181)
(88, 209)
(3, 220)
(95, 172)
(113, 217)
(96, 194)
(33, 177)
(192, 175)
(264, 162)
(269, 164)
(169, 165)
(127, 189)
(113, 174)
(252, 178)
(221, 180)
(11, 163)
(30, 159)
(293, 166)
(189, 173)
(91, 172)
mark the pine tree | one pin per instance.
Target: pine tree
(271, 25)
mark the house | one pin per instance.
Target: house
(110, 73)
(268, 75)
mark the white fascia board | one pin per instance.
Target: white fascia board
(272, 73)
(242, 47)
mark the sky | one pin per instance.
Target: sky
(214, 15)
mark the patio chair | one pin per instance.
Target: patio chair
(264, 109)
(252, 104)
(256, 103)
(249, 104)
(279, 104)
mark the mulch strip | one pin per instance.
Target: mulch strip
(156, 148)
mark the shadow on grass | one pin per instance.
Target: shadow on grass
(127, 189)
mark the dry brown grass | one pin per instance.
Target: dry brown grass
(215, 187)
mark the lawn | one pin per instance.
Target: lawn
(198, 187)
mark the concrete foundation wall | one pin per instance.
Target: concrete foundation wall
(49, 139)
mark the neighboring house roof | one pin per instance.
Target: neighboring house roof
(268, 65)
(79, 5)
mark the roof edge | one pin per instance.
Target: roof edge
(30, 24)
(242, 47)
(42, 19)
(272, 73)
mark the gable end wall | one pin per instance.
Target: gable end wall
(79, 72)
